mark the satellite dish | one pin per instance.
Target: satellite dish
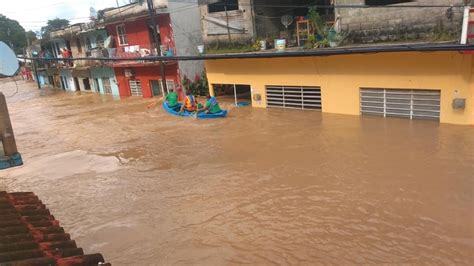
(286, 20)
(8, 61)
(92, 13)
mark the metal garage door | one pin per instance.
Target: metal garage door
(294, 97)
(412, 104)
(135, 87)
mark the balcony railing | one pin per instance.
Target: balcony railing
(132, 51)
(136, 51)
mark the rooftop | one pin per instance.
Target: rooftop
(134, 10)
(30, 235)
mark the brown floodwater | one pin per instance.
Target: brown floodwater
(264, 186)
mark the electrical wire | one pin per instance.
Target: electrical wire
(190, 6)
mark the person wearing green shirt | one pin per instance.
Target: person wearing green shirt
(172, 98)
(211, 106)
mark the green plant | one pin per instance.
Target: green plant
(315, 20)
(310, 42)
(322, 43)
(198, 87)
(256, 46)
(341, 37)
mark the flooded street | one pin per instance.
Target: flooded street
(264, 186)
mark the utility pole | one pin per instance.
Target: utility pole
(151, 11)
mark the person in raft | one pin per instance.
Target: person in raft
(190, 103)
(172, 98)
(211, 106)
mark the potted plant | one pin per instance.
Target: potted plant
(332, 38)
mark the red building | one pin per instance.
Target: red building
(132, 36)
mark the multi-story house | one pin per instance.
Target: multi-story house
(363, 21)
(59, 73)
(82, 40)
(93, 75)
(243, 21)
(417, 65)
(131, 32)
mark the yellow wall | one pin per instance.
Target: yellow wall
(340, 77)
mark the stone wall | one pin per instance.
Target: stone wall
(376, 24)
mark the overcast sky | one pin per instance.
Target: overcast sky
(33, 14)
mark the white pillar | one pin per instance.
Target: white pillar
(465, 25)
(235, 95)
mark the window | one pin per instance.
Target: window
(107, 86)
(221, 6)
(122, 35)
(135, 87)
(385, 2)
(79, 45)
(64, 82)
(100, 41)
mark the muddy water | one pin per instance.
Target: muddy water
(260, 187)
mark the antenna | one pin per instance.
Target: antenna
(8, 61)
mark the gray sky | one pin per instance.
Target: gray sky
(33, 14)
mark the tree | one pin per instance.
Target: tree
(12, 33)
(31, 35)
(54, 24)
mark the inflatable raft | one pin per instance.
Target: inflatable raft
(175, 111)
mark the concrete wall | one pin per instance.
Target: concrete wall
(187, 34)
(391, 24)
(105, 73)
(341, 77)
(242, 18)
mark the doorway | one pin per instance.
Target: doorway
(87, 84)
(240, 93)
(156, 88)
(96, 84)
(76, 84)
(51, 80)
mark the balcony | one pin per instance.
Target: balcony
(136, 51)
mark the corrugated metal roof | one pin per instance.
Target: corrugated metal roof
(30, 235)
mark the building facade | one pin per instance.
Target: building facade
(131, 31)
(412, 85)
(244, 21)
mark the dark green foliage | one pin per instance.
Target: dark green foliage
(13, 34)
(199, 87)
(54, 24)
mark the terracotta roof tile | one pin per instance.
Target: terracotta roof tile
(30, 235)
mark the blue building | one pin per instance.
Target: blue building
(104, 80)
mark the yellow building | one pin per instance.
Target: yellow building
(411, 84)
